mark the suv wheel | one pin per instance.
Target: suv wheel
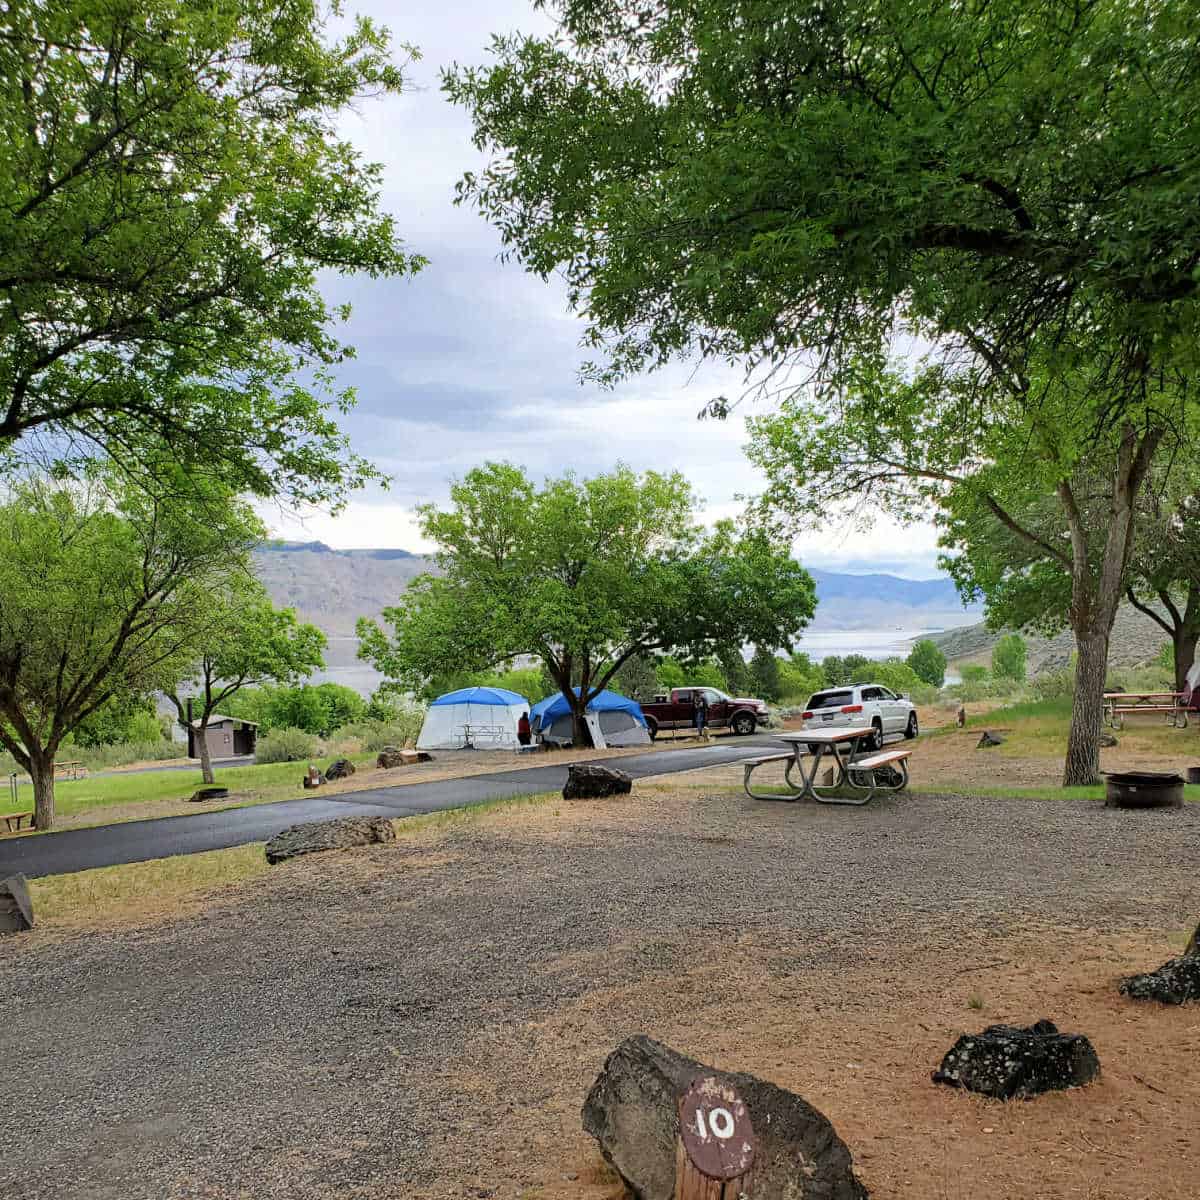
(743, 724)
(912, 730)
(877, 734)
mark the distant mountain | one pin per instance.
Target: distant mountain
(333, 588)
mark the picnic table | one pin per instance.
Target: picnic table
(852, 770)
(72, 769)
(1173, 705)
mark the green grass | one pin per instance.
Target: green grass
(249, 785)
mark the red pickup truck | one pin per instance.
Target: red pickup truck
(677, 711)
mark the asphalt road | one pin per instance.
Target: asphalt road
(136, 841)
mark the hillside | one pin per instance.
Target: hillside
(1136, 639)
(333, 588)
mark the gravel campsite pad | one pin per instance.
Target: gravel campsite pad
(423, 1019)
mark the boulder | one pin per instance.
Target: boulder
(1175, 982)
(391, 756)
(1107, 741)
(315, 836)
(340, 768)
(1007, 1062)
(585, 781)
(16, 908)
(989, 739)
(632, 1112)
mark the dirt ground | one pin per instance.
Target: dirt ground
(423, 1020)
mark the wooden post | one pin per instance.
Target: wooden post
(714, 1150)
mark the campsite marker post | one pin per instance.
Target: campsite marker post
(714, 1153)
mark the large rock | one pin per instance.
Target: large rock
(1007, 1062)
(391, 756)
(989, 739)
(315, 836)
(632, 1112)
(16, 908)
(341, 768)
(585, 781)
(1175, 982)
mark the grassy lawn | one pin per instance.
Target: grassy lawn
(257, 784)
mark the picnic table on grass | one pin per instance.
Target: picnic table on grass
(853, 771)
(1172, 705)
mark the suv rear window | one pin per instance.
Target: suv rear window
(830, 700)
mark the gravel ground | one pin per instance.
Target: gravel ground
(330, 1030)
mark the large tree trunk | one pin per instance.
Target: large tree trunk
(206, 770)
(1185, 642)
(41, 771)
(1087, 712)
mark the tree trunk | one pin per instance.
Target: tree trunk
(1185, 641)
(1087, 712)
(581, 736)
(201, 739)
(41, 771)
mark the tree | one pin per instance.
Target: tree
(840, 670)
(247, 642)
(764, 674)
(736, 177)
(106, 591)
(1008, 658)
(1036, 484)
(173, 181)
(893, 673)
(1166, 568)
(584, 575)
(799, 185)
(928, 662)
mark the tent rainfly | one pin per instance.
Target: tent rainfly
(621, 719)
(479, 718)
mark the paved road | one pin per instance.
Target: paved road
(136, 841)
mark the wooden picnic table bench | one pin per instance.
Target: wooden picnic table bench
(853, 771)
(13, 820)
(1172, 705)
(72, 769)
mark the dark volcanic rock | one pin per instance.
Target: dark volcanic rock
(1007, 1062)
(16, 908)
(586, 781)
(341, 768)
(989, 739)
(315, 836)
(1107, 741)
(632, 1112)
(1175, 982)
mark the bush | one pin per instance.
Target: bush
(1054, 685)
(1008, 657)
(973, 673)
(402, 730)
(928, 662)
(287, 745)
(897, 675)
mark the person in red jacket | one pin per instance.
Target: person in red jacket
(524, 736)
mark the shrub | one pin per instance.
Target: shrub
(287, 745)
(1054, 685)
(973, 673)
(896, 674)
(928, 662)
(1008, 657)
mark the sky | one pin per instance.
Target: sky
(473, 360)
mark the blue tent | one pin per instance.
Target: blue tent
(481, 695)
(621, 719)
(482, 718)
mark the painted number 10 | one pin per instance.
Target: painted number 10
(717, 1123)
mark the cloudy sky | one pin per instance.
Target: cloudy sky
(472, 359)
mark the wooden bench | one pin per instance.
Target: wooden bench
(884, 758)
(1176, 714)
(752, 764)
(17, 817)
(72, 770)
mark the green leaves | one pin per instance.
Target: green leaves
(585, 575)
(171, 182)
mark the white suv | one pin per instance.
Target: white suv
(862, 704)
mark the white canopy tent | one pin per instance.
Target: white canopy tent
(478, 718)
